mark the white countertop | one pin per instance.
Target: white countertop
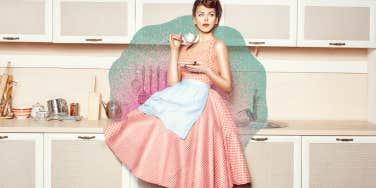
(322, 127)
(294, 127)
(53, 126)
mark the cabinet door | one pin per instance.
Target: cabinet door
(152, 12)
(82, 160)
(337, 23)
(339, 161)
(274, 161)
(88, 21)
(26, 21)
(21, 160)
(263, 23)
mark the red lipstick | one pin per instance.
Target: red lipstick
(205, 25)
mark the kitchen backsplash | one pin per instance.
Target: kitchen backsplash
(289, 95)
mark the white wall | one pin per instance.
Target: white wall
(318, 95)
(372, 86)
(290, 95)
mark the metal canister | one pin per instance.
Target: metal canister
(74, 109)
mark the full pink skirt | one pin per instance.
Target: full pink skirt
(210, 157)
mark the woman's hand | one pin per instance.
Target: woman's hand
(175, 41)
(197, 67)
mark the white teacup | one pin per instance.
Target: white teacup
(190, 38)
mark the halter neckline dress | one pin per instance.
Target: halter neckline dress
(209, 156)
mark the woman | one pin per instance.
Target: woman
(184, 135)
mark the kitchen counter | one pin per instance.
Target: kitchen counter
(321, 127)
(53, 126)
(294, 127)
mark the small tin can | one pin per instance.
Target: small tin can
(74, 109)
(41, 115)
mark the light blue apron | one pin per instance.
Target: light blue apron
(178, 106)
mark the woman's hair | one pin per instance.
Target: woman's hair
(208, 4)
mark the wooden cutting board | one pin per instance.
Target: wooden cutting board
(94, 102)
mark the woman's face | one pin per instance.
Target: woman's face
(205, 18)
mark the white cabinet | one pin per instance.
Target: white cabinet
(93, 21)
(338, 161)
(26, 21)
(337, 23)
(21, 160)
(263, 23)
(82, 160)
(302, 23)
(152, 12)
(58, 160)
(274, 161)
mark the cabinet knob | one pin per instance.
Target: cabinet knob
(345, 139)
(256, 43)
(86, 137)
(11, 38)
(3, 137)
(337, 43)
(259, 139)
(93, 40)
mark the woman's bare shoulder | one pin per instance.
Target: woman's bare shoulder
(220, 46)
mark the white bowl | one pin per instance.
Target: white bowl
(22, 116)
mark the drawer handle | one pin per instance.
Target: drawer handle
(93, 40)
(11, 38)
(259, 139)
(86, 137)
(257, 43)
(345, 139)
(337, 43)
(3, 137)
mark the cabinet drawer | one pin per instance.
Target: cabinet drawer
(339, 161)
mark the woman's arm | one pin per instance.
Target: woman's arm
(223, 80)
(173, 71)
